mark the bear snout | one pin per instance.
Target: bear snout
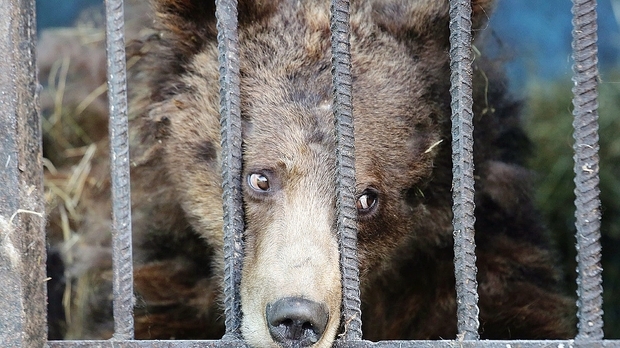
(296, 322)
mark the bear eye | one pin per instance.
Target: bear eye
(258, 182)
(366, 202)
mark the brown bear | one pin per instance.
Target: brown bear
(291, 286)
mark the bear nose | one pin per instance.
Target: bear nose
(296, 322)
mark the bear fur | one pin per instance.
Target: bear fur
(400, 68)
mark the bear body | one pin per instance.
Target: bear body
(400, 68)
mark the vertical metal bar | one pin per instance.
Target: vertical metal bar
(587, 202)
(22, 234)
(119, 164)
(346, 221)
(230, 121)
(463, 169)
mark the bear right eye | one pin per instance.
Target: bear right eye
(258, 182)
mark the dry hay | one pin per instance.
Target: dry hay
(72, 70)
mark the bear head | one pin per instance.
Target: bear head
(291, 282)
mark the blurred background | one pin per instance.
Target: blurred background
(533, 37)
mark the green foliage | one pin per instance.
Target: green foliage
(549, 123)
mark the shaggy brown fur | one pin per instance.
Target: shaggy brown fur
(403, 163)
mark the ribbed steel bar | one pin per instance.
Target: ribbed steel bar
(587, 202)
(463, 169)
(346, 221)
(230, 122)
(119, 166)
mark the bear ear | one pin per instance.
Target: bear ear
(193, 22)
(423, 18)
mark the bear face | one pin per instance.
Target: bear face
(291, 249)
(400, 69)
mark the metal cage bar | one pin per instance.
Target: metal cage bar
(230, 121)
(22, 233)
(122, 264)
(463, 169)
(587, 202)
(346, 221)
(350, 344)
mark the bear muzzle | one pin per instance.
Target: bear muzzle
(296, 322)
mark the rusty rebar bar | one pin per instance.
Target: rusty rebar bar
(346, 221)
(230, 121)
(463, 169)
(122, 265)
(587, 202)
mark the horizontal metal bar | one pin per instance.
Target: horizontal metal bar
(355, 344)
(488, 344)
(146, 344)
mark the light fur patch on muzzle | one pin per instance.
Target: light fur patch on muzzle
(291, 286)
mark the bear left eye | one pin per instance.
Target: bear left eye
(366, 202)
(258, 182)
